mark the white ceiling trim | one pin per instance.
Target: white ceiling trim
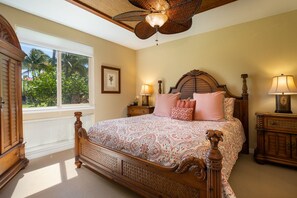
(62, 12)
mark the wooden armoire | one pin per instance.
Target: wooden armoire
(12, 148)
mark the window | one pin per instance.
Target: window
(54, 78)
(75, 89)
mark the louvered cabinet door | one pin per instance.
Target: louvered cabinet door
(277, 145)
(9, 104)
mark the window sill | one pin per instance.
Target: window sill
(54, 112)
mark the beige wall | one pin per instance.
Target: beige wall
(105, 53)
(262, 49)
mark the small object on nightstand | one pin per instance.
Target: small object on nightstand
(139, 110)
(135, 102)
(276, 138)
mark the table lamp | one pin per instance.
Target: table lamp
(146, 91)
(283, 87)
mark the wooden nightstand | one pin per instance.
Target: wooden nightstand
(276, 138)
(139, 110)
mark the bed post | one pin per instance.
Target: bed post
(77, 126)
(244, 86)
(245, 116)
(160, 86)
(214, 165)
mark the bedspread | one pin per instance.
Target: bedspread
(167, 141)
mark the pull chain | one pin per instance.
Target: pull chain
(157, 40)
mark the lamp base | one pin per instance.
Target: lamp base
(283, 104)
(145, 101)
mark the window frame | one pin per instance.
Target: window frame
(66, 46)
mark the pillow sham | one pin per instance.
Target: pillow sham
(229, 108)
(181, 113)
(164, 103)
(209, 106)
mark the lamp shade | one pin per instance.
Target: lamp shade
(156, 19)
(283, 85)
(146, 90)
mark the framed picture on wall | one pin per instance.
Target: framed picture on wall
(110, 79)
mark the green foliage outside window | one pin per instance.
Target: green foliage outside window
(40, 79)
(41, 91)
(75, 89)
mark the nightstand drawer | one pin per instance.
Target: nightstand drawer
(137, 111)
(276, 123)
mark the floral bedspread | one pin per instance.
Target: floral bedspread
(166, 141)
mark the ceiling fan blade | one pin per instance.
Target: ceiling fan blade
(172, 27)
(138, 15)
(182, 10)
(152, 5)
(143, 30)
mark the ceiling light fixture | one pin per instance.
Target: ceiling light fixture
(156, 20)
(176, 15)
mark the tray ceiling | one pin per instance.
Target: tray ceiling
(109, 8)
(73, 16)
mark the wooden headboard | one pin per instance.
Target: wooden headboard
(197, 81)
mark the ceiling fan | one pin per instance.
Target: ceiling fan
(164, 16)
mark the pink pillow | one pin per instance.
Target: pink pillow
(209, 106)
(180, 113)
(229, 108)
(188, 103)
(164, 104)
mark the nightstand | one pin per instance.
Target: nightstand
(276, 138)
(139, 110)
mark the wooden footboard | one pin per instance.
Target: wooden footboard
(193, 177)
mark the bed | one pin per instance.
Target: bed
(193, 175)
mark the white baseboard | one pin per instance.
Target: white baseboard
(47, 149)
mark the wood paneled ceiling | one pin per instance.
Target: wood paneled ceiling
(109, 8)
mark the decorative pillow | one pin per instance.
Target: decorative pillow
(180, 113)
(209, 106)
(187, 103)
(229, 108)
(164, 103)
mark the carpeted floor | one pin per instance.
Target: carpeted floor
(56, 176)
